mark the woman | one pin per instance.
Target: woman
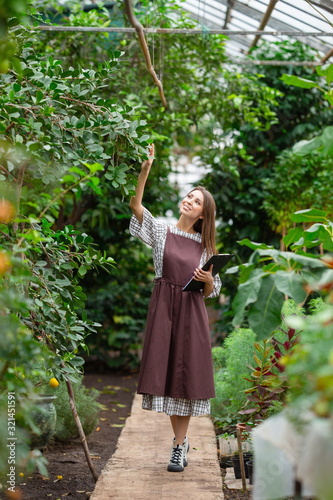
(176, 373)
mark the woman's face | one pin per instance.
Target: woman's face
(192, 205)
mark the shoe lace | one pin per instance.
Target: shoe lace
(176, 455)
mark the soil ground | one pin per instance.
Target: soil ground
(67, 460)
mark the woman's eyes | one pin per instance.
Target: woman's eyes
(198, 202)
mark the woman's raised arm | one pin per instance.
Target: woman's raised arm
(136, 201)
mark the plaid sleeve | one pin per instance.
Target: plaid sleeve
(149, 231)
(217, 279)
(217, 287)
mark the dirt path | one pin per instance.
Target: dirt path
(138, 469)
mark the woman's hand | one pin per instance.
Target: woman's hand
(205, 276)
(146, 165)
(136, 201)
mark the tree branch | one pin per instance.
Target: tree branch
(5, 236)
(60, 195)
(140, 31)
(5, 171)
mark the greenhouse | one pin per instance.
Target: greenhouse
(166, 249)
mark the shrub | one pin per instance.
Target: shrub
(87, 408)
(230, 364)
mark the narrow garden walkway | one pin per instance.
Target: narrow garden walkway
(138, 468)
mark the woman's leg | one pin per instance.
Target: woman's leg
(173, 419)
(178, 459)
(180, 425)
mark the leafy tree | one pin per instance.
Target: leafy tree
(192, 69)
(301, 177)
(255, 153)
(49, 116)
(11, 14)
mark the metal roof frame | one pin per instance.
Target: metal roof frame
(244, 22)
(267, 15)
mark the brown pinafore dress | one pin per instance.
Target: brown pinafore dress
(177, 359)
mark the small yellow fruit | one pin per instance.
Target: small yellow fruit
(4, 66)
(321, 408)
(53, 382)
(21, 474)
(284, 360)
(7, 211)
(59, 477)
(4, 263)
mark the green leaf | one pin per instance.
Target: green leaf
(77, 170)
(322, 143)
(288, 259)
(327, 140)
(82, 270)
(39, 95)
(271, 268)
(292, 236)
(309, 215)
(299, 82)
(144, 138)
(306, 147)
(69, 178)
(291, 284)
(246, 294)
(326, 72)
(253, 244)
(329, 97)
(94, 167)
(265, 314)
(77, 361)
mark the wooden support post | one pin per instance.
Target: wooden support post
(241, 458)
(80, 429)
(264, 21)
(326, 56)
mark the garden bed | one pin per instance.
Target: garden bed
(67, 459)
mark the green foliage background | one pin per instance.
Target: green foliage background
(77, 112)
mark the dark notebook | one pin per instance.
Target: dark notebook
(218, 262)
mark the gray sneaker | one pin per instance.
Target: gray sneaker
(186, 446)
(176, 463)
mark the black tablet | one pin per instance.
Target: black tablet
(218, 261)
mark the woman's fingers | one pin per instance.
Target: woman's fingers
(151, 151)
(201, 275)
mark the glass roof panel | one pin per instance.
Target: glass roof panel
(246, 15)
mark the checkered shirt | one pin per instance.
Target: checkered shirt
(153, 232)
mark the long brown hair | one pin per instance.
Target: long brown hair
(206, 226)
